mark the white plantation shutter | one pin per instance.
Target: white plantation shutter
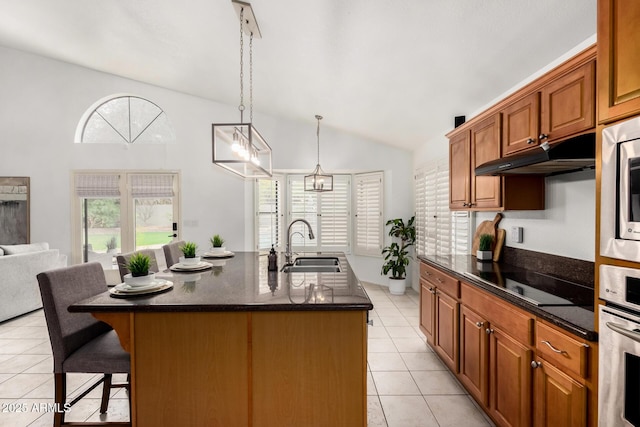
(368, 218)
(335, 215)
(438, 230)
(327, 212)
(269, 213)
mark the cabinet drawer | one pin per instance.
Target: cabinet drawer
(441, 280)
(513, 321)
(562, 349)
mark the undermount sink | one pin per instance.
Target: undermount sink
(313, 265)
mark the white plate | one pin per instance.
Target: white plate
(202, 265)
(123, 287)
(225, 254)
(119, 293)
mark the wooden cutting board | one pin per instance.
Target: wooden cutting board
(485, 227)
(501, 234)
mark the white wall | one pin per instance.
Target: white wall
(567, 226)
(43, 100)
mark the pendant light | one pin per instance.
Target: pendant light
(318, 180)
(239, 147)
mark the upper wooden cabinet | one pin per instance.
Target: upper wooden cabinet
(521, 125)
(459, 171)
(618, 59)
(485, 146)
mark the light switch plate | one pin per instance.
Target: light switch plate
(516, 234)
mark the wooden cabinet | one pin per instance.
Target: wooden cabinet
(439, 313)
(478, 145)
(618, 59)
(510, 386)
(559, 400)
(520, 124)
(474, 354)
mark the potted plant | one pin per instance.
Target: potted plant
(111, 245)
(138, 265)
(396, 255)
(484, 252)
(216, 244)
(189, 252)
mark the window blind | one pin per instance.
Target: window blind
(269, 213)
(97, 185)
(152, 185)
(368, 216)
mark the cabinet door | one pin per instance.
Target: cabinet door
(559, 400)
(474, 351)
(427, 309)
(446, 334)
(485, 146)
(520, 124)
(567, 104)
(459, 171)
(510, 384)
(618, 59)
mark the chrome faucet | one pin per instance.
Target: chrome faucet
(288, 253)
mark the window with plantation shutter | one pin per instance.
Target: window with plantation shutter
(269, 215)
(438, 230)
(368, 214)
(327, 212)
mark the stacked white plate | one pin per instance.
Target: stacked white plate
(124, 289)
(202, 265)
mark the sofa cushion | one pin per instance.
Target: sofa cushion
(21, 249)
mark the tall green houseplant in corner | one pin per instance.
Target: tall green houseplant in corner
(396, 256)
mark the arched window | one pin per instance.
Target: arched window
(124, 119)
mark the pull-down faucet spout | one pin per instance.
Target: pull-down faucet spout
(288, 255)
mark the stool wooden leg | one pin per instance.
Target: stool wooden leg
(106, 389)
(60, 380)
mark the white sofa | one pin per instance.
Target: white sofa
(19, 265)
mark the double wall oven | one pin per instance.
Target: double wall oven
(619, 320)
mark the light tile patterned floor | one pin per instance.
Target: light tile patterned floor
(407, 384)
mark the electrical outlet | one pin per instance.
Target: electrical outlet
(516, 235)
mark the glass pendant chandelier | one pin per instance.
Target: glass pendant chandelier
(318, 180)
(239, 147)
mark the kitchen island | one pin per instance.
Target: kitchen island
(237, 345)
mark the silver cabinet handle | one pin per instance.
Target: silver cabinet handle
(479, 324)
(488, 331)
(530, 141)
(433, 291)
(621, 330)
(439, 280)
(535, 364)
(543, 136)
(555, 350)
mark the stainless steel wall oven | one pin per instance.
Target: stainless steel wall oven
(619, 341)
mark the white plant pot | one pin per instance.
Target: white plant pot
(140, 280)
(219, 250)
(189, 261)
(397, 286)
(484, 255)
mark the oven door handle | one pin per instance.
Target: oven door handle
(626, 332)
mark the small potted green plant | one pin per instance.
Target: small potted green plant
(138, 265)
(111, 245)
(217, 243)
(484, 248)
(189, 252)
(397, 255)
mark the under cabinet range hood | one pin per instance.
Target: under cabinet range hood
(571, 155)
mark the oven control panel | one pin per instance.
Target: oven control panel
(620, 285)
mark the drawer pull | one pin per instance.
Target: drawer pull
(489, 331)
(433, 291)
(439, 280)
(535, 364)
(555, 350)
(479, 324)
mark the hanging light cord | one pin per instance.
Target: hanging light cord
(251, 78)
(241, 106)
(318, 137)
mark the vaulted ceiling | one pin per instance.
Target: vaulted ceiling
(395, 71)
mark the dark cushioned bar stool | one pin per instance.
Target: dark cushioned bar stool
(80, 342)
(123, 260)
(172, 252)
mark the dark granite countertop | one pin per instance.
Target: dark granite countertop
(577, 316)
(242, 283)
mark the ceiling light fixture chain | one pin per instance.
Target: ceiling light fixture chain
(318, 180)
(318, 117)
(241, 106)
(251, 78)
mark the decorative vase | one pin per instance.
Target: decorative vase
(189, 261)
(484, 255)
(139, 280)
(397, 286)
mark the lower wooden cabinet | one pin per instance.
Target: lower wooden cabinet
(559, 400)
(489, 345)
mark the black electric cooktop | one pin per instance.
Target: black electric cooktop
(537, 288)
